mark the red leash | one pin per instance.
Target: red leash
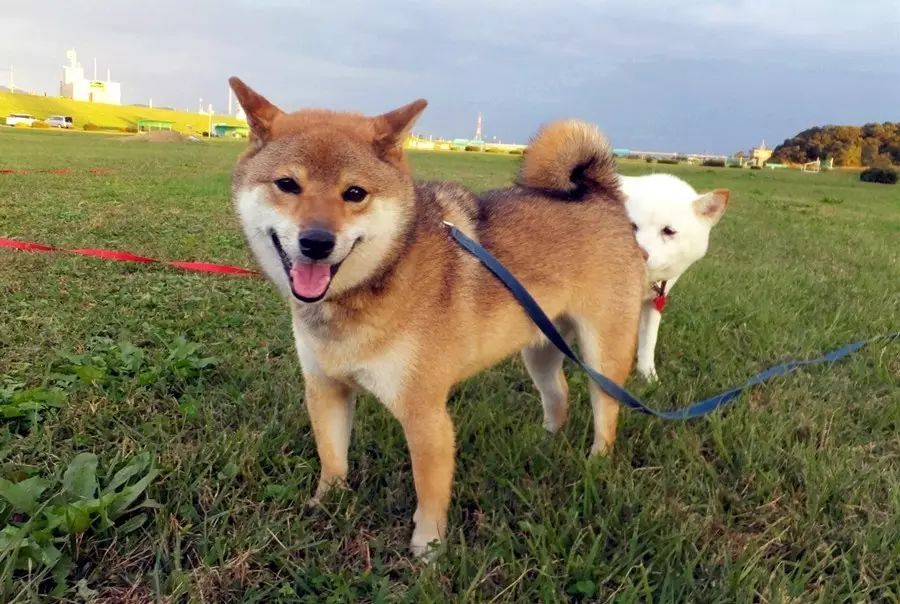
(200, 267)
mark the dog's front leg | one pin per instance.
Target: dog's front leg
(429, 436)
(650, 318)
(330, 405)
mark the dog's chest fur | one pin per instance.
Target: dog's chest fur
(363, 358)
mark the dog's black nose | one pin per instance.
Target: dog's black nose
(316, 244)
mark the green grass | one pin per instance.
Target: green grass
(790, 495)
(101, 114)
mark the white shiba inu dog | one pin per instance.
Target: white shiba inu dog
(671, 222)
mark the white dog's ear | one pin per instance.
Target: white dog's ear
(710, 206)
(260, 112)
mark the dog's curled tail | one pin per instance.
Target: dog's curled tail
(570, 158)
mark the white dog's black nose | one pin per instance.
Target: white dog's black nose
(316, 244)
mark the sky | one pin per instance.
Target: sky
(688, 76)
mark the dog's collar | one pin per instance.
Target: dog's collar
(660, 300)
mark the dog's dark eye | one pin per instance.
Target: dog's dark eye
(288, 185)
(354, 194)
(668, 231)
(634, 227)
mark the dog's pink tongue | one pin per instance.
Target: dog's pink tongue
(310, 280)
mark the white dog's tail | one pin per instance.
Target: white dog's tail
(570, 158)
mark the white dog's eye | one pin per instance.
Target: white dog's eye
(668, 231)
(288, 185)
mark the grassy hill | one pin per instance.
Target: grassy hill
(106, 116)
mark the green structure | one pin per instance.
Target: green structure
(148, 125)
(230, 130)
(461, 143)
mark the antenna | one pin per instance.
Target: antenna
(478, 128)
(95, 68)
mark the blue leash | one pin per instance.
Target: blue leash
(698, 409)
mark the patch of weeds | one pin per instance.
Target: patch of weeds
(832, 200)
(280, 493)
(116, 368)
(122, 366)
(43, 519)
(103, 362)
(185, 361)
(187, 406)
(26, 406)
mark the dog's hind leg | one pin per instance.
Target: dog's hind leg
(607, 344)
(330, 405)
(544, 364)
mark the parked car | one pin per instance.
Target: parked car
(13, 119)
(59, 121)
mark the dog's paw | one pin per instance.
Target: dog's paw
(426, 538)
(556, 412)
(648, 373)
(600, 448)
(553, 424)
(325, 487)
(425, 547)
(426, 552)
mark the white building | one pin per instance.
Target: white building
(75, 86)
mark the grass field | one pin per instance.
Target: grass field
(101, 114)
(186, 389)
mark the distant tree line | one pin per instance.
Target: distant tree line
(874, 145)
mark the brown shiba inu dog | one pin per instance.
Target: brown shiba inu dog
(384, 301)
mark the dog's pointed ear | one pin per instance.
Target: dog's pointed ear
(392, 128)
(260, 112)
(710, 206)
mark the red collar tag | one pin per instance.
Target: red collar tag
(660, 302)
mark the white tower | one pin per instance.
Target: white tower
(75, 86)
(72, 85)
(479, 127)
